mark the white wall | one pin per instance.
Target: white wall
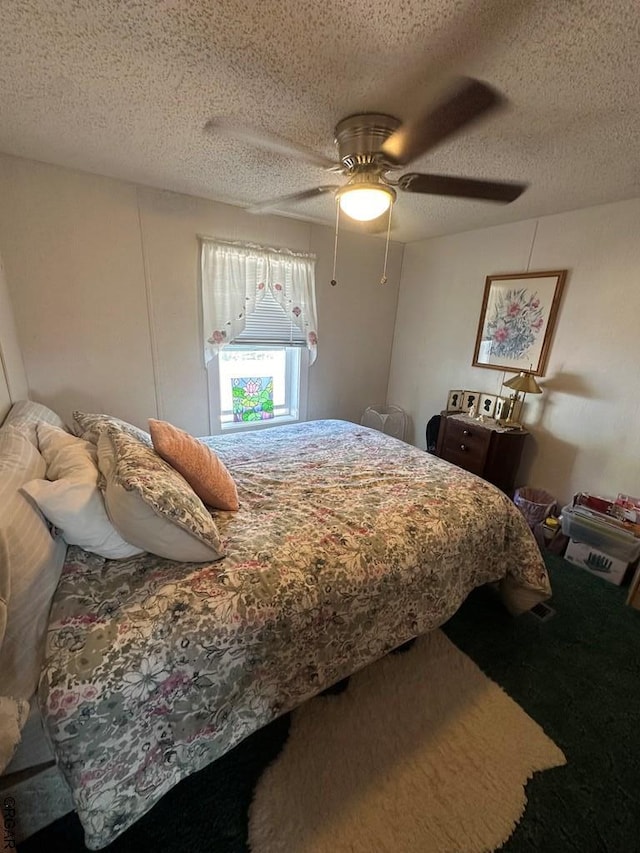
(584, 426)
(357, 318)
(71, 245)
(13, 380)
(104, 283)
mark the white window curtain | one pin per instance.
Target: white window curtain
(235, 278)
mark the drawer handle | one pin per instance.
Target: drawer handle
(466, 432)
(463, 447)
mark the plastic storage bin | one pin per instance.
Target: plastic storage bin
(583, 526)
(598, 546)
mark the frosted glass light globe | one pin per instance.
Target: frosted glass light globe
(365, 202)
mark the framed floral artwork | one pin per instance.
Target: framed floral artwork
(517, 319)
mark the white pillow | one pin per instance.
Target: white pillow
(73, 502)
(77, 509)
(67, 455)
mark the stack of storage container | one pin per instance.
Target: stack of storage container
(604, 534)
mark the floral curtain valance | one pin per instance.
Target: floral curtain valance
(235, 277)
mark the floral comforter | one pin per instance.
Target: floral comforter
(347, 543)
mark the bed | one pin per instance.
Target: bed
(347, 544)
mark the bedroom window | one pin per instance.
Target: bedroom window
(260, 386)
(260, 333)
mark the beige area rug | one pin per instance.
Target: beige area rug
(421, 754)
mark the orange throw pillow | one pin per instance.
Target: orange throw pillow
(198, 464)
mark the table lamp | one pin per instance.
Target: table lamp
(524, 384)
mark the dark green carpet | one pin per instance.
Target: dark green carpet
(577, 674)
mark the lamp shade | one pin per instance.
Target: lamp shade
(524, 382)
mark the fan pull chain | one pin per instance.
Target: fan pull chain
(335, 245)
(384, 279)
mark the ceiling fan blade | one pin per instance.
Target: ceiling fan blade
(264, 206)
(470, 100)
(502, 191)
(268, 142)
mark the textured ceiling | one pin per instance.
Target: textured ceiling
(125, 89)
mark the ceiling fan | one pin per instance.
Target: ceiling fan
(373, 145)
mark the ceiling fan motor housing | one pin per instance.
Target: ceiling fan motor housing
(359, 139)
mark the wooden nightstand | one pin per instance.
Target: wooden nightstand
(482, 448)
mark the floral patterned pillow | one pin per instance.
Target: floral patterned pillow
(90, 427)
(150, 504)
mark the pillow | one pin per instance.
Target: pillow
(26, 415)
(90, 427)
(198, 464)
(78, 510)
(30, 565)
(67, 455)
(73, 503)
(151, 505)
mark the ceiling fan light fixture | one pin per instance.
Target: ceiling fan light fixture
(365, 201)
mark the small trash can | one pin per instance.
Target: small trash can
(534, 504)
(389, 419)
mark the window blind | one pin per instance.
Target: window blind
(269, 324)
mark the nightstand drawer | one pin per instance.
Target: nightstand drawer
(465, 445)
(481, 448)
(472, 461)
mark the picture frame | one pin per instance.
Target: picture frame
(517, 320)
(454, 401)
(470, 398)
(502, 407)
(487, 405)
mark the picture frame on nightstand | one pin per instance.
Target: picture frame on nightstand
(454, 401)
(487, 405)
(470, 398)
(502, 408)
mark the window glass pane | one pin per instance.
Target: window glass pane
(255, 386)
